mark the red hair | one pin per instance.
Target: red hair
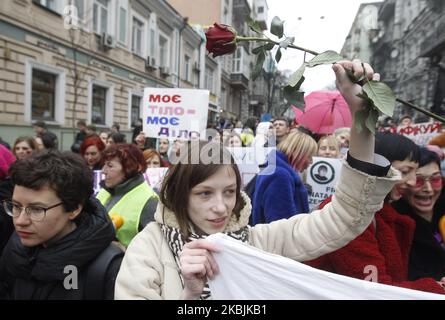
(92, 141)
(130, 157)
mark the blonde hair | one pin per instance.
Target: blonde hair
(332, 140)
(298, 147)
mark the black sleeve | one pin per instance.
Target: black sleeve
(148, 213)
(379, 168)
(111, 276)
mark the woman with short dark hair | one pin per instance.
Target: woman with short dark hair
(424, 202)
(125, 193)
(57, 225)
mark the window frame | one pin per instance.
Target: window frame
(168, 55)
(99, 24)
(109, 103)
(59, 94)
(139, 94)
(141, 19)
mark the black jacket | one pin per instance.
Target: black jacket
(37, 273)
(427, 257)
(6, 225)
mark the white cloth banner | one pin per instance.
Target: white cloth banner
(247, 273)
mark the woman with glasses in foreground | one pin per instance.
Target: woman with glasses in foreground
(60, 232)
(425, 204)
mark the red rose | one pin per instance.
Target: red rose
(220, 40)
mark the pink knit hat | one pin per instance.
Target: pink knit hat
(6, 158)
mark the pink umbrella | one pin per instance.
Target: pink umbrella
(325, 111)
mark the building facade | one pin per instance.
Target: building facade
(233, 95)
(69, 60)
(408, 50)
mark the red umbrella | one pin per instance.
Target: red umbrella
(325, 111)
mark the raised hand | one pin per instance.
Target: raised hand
(197, 265)
(347, 88)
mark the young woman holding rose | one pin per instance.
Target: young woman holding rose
(170, 260)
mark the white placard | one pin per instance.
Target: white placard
(175, 113)
(322, 176)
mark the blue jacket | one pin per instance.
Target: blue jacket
(279, 195)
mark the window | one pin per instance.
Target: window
(50, 4)
(187, 67)
(122, 25)
(236, 62)
(100, 16)
(260, 9)
(44, 92)
(99, 104)
(209, 79)
(137, 34)
(135, 109)
(164, 52)
(43, 95)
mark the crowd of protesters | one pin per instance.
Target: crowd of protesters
(132, 241)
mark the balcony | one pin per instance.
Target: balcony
(434, 43)
(239, 81)
(258, 99)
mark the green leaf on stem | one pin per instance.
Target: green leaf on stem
(381, 95)
(287, 42)
(258, 49)
(269, 46)
(360, 118)
(259, 65)
(265, 47)
(296, 77)
(293, 96)
(278, 56)
(327, 57)
(276, 27)
(371, 121)
(254, 25)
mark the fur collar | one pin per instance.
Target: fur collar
(166, 216)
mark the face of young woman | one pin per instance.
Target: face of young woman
(235, 142)
(92, 156)
(408, 169)
(153, 162)
(423, 196)
(114, 173)
(327, 150)
(343, 140)
(211, 202)
(104, 137)
(163, 146)
(22, 150)
(54, 225)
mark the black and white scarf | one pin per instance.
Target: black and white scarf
(176, 242)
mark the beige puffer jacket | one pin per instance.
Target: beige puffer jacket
(149, 269)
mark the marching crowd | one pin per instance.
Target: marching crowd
(130, 241)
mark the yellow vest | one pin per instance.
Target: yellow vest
(129, 207)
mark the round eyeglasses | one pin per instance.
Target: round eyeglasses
(435, 181)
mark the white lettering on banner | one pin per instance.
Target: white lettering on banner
(420, 133)
(184, 110)
(322, 176)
